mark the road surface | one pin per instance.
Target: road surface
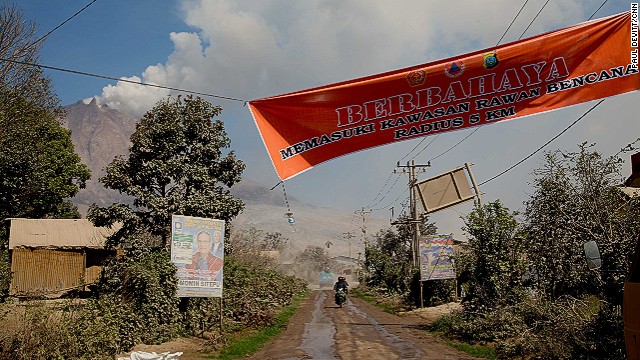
(321, 330)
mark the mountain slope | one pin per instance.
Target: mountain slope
(99, 134)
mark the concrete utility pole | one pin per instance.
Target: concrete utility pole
(348, 236)
(363, 213)
(410, 168)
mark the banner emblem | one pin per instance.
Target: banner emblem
(454, 69)
(490, 60)
(416, 77)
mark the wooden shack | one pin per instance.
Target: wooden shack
(51, 257)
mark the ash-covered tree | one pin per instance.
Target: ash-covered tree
(175, 165)
(492, 264)
(577, 198)
(389, 260)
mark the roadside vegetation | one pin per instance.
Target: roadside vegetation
(179, 162)
(527, 290)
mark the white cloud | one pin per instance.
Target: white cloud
(254, 49)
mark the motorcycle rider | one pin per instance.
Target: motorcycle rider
(341, 284)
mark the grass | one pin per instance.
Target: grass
(374, 301)
(473, 350)
(250, 342)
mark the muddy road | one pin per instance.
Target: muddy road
(357, 331)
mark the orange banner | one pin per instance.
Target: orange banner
(570, 66)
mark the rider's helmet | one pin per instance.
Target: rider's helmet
(341, 278)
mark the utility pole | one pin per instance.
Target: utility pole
(348, 236)
(363, 213)
(410, 169)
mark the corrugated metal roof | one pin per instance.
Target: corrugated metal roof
(57, 233)
(630, 191)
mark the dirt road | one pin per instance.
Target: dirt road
(321, 330)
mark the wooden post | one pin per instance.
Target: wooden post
(220, 315)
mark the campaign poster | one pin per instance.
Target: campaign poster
(197, 249)
(436, 258)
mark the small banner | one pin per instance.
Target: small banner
(436, 258)
(589, 61)
(197, 249)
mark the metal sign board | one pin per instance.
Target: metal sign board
(445, 190)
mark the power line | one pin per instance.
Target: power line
(459, 142)
(426, 146)
(530, 23)
(64, 22)
(512, 21)
(545, 144)
(594, 13)
(534, 19)
(123, 80)
(423, 149)
(415, 147)
(385, 195)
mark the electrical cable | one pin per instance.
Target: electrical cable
(426, 146)
(64, 22)
(415, 147)
(594, 13)
(123, 80)
(459, 142)
(512, 21)
(466, 137)
(534, 19)
(385, 195)
(541, 147)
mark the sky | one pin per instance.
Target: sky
(252, 49)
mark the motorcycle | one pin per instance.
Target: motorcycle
(341, 296)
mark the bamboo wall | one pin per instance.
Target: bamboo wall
(44, 272)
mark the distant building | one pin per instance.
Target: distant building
(51, 257)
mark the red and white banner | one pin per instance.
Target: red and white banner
(570, 66)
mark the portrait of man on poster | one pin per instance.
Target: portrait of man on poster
(204, 258)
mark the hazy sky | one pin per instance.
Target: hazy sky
(253, 49)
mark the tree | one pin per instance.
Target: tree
(40, 169)
(576, 200)
(492, 264)
(389, 261)
(175, 166)
(18, 46)
(314, 258)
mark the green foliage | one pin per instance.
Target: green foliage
(175, 166)
(39, 166)
(492, 263)
(562, 310)
(577, 200)
(389, 261)
(148, 285)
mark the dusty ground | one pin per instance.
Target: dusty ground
(357, 331)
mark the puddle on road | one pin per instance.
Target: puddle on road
(317, 340)
(405, 349)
